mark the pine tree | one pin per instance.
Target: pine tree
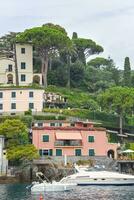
(127, 73)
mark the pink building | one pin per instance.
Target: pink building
(58, 138)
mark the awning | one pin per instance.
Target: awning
(68, 136)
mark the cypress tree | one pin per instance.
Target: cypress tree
(127, 73)
(75, 35)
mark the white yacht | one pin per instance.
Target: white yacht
(44, 186)
(52, 187)
(85, 177)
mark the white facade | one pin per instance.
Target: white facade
(24, 54)
(19, 100)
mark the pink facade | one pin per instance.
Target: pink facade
(81, 139)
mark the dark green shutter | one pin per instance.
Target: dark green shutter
(45, 138)
(90, 138)
(40, 152)
(77, 152)
(91, 152)
(50, 152)
(58, 152)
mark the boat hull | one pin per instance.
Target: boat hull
(105, 182)
(52, 187)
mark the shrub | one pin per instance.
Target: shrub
(48, 117)
(85, 162)
(29, 112)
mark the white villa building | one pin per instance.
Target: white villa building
(24, 54)
(19, 100)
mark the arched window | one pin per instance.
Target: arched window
(36, 79)
(9, 79)
(110, 153)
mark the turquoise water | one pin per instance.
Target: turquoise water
(19, 192)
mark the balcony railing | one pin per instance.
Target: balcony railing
(68, 143)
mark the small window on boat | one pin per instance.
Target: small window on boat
(103, 179)
(125, 178)
(95, 179)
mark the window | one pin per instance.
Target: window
(31, 94)
(23, 65)
(10, 68)
(58, 152)
(1, 106)
(40, 124)
(91, 152)
(13, 105)
(1, 95)
(77, 152)
(13, 94)
(72, 124)
(52, 124)
(90, 138)
(56, 124)
(23, 77)
(31, 105)
(46, 152)
(23, 50)
(45, 138)
(84, 125)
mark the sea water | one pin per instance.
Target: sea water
(19, 192)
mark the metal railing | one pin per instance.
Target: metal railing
(68, 143)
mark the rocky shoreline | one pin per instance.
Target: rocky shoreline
(8, 180)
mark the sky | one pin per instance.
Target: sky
(108, 22)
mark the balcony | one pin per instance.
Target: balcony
(68, 143)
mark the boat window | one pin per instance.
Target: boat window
(95, 179)
(103, 179)
(125, 179)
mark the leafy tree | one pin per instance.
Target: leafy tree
(108, 66)
(127, 72)
(77, 74)
(119, 100)
(98, 62)
(97, 80)
(15, 132)
(132, 80)
(58, 76)
(85, 48)
(47, 40)
(18, 154)
(75, 35)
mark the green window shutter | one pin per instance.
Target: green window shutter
(90, 138)
(77, 152)
(40, 152)
(91, 152)
(45, 138)
(58, 152)
(50, 152)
